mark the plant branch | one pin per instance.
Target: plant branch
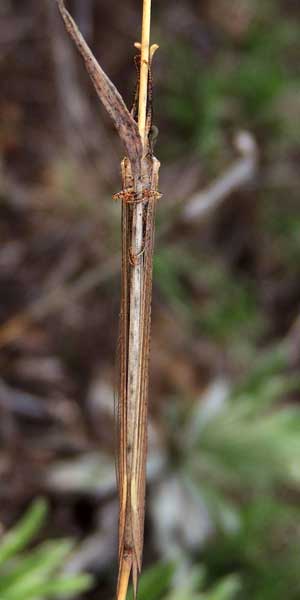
(135, 350)
(237, 175)
(145, 54)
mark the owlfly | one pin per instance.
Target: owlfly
(138, 196)
(134, 343)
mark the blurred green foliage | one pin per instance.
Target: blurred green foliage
(212, 300)
(282, 225)
(36, 573)
(242, 456)
(242, 85)
(160, 583)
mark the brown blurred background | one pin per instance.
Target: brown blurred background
(225, 344)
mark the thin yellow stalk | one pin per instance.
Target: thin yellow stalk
(124, 581)
(136, 348)
(145, 52)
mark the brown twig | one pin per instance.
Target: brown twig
(55, 299)
(237, 175)
(139, 198)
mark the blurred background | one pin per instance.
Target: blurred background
(223, 512)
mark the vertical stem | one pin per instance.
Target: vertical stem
(136, 279)
(145, 50)
(124, 581)
(134, 387)
(136, 325)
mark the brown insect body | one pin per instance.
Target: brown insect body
(132, 418)
(139, 195)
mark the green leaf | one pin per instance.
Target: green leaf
(154, 582)
(37, 573)
(36, 565)
(15, 540)
(226, 589)
(64, 586)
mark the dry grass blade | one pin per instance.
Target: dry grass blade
(133, 393)
(107, 92)
(139, 200)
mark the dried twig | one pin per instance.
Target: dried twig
(139, 199)
(55, 299)
(239, 174)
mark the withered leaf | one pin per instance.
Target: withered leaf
(108, 94)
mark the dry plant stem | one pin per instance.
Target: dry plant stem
(135, 337)
(132, 413)
(145, 55)
(140, 182)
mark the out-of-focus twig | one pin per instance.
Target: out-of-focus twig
(84, 17)
(77, 115)
(23, 404)
(54, 300)
(236, 176)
